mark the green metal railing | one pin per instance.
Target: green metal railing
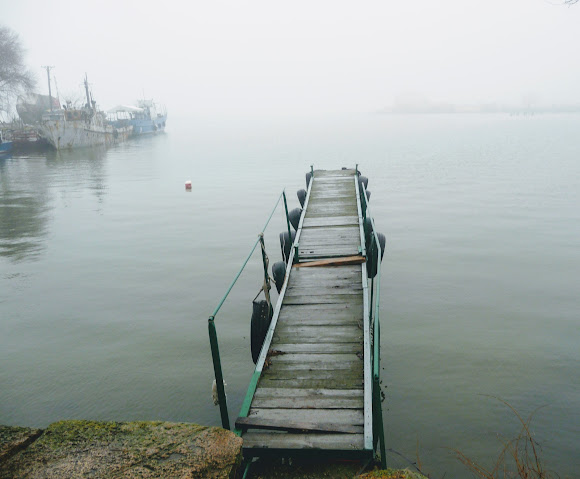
(217, 367)
(375, 291)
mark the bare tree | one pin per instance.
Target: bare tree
(15, 78)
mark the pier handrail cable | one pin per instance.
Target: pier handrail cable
(249, 256)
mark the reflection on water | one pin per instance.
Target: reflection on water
(28, 185)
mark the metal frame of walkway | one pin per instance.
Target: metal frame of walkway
(315, 390)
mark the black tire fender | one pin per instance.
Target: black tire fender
(301, 197)
(294, 217)
(261, 317)
(279, 273)
(286, 243)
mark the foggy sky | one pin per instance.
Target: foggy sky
(271, 57)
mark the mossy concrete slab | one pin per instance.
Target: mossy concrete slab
(129, 450)
(14, 439)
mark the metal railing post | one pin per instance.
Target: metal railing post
(266, 276)
(371, 303)
(378, 422)
(287, 220)
(217, 368)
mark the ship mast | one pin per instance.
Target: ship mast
(87, 92)
(49, 91)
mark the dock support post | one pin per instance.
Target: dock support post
(217, 368)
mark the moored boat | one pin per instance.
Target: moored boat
(24, 137)
(145, 118)
(5, 146)
(80, 127)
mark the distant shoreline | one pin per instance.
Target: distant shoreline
(467, 110)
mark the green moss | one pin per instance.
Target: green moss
(79, 431)
(126, 449)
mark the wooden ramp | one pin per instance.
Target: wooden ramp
(314, 389)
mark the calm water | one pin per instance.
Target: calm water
(109, 270)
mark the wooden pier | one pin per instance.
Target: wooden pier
(312, 388)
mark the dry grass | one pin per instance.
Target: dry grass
(519, 457)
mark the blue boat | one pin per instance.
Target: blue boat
(145, 118)
(5, 147)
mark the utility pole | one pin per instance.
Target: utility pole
(49, 91)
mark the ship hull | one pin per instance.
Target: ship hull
(148, 126)
(5, 149)
(64, 134)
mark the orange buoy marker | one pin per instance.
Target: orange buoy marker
(188, 185)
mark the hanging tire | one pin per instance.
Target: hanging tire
(294, 217)
(261, 317)
(301, 197)
(279, 273)
(286, 244)
(373, 257)
(308, 177)
(368, 229)
(364, 180)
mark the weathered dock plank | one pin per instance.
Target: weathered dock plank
(317, 348)
(331, 383)
(315, 393)
(296, 426)
(340, 416)
(291, 402)
(322, 299)
(287, 441)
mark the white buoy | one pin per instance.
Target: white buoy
(188, 185)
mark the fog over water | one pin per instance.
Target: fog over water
(249, 58)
